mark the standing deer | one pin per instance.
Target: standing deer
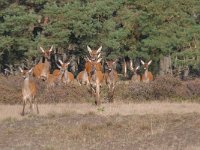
(95, 77)
(65, 75)
(41, 70)
(147, 76)
(111, 78)
(84, 76)
(29, 90)
(136, 76)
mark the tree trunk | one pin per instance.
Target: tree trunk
(165, 65)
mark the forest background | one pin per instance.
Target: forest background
(138, 29)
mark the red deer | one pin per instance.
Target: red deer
(65, 75)
(111, 78)
(147, 76)
(83, 78)
(95, 78)
(29, 90)
(41, 70)
(136, 76)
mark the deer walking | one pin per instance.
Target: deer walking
(29, 90)
(147, 76)
(111, 78)
(95, 74)
(84, 76)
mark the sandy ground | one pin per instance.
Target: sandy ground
(13, 111)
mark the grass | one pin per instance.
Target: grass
(93, 131)
(9, 119)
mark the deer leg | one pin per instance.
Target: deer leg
(36, 105)
(97, 95)
(111, 93)
(93, 91)
(31, 105)
(24, 103)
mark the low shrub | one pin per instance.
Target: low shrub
(165, 88)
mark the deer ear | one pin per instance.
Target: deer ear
(30, 70)
(42, 49)
(142, 62)
(21, 70)
(99, 50)
(51, 48)
(137, 67)
(60, 61)
(68, 63)
(99, 55)
(99, 60)
(89, 49)
(87, 59)
(149, 62)
(115, 61)
(58, 66)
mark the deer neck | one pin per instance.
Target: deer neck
(146, 74)
(46, 67)
(66, 75)
(26, 83)
(111, 74)
(93, 75)
(47, 62)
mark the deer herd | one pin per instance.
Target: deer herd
(93, 76)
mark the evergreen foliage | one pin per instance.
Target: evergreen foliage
(147, 29)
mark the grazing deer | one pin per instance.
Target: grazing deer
(41, 70)
(147, 76)
(29, 90)
(111, 78)
(95, 78)
(136, 76)
(65, 75)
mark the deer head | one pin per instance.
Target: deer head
(94, 54)
(64, 66)
(47, 53)
(134, 70)
(146, 65)
(111, 65)
(25, 73)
